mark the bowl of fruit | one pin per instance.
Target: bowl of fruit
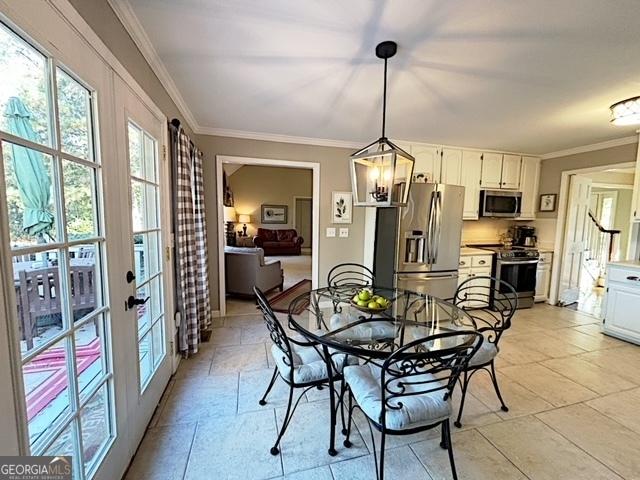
(366, 301)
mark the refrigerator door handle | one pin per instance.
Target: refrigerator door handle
(438, 226)
(427, 276)
(430, 229)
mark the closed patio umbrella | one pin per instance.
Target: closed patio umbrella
(31, 173)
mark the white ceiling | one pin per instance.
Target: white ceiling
(532, 76)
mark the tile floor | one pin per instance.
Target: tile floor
(572, 392)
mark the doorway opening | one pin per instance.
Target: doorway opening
(268, 216)
(595, 211)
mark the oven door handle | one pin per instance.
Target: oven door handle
(525, 262)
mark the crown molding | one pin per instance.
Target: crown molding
(592, 147)
(130, 21)
(276, 137)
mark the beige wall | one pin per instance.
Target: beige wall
(552, 168)
(334, 176)
(254, 185)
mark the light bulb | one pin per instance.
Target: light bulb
(374, 173)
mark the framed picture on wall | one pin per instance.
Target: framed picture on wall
(548, 202)
(342, 205)
(273, 213)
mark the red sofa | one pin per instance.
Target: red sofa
(278, 242)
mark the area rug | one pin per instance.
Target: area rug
(280, 302)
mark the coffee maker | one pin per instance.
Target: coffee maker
(524, 236)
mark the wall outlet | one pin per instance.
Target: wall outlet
(331, 232)
(344, 232)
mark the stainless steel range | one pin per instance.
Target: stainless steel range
(516, 266)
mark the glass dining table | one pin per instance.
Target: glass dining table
(332, 318)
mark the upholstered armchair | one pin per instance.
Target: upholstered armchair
(246, 268)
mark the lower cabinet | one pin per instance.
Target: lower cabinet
(543, 277)
(475, 266)
(621, 317)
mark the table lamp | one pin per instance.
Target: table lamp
(230, 219)
(244, 219)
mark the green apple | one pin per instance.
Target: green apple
(355, 299)
(374, 305)
(364, 295)
(383, 302)
(362, 303)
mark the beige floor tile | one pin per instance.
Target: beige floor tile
(243, 320)
(516, 352)
(239, 358)
(622, 407)
(551, 386)
(399, 464)
(623, 361)
(543, 454)
(475, 457)
(253, 384)
(520, 400)
(320, 473)
(194, 398)
(163, 453)
(548, 345)
(225, 336)
(306, 441)
(194, 367)
(606, 440)
(589, 375)
(586, 341)
(235, 447)
(475, 412)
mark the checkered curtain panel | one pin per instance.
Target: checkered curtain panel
(191, 242)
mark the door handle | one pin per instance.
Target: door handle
(133, 301)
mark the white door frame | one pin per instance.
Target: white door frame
(295, 198)
(563, 198)
(315, 200)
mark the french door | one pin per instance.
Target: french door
(83, 235)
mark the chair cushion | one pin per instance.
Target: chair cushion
(308, 364)
(364, 332)
(417, 410)
(485, 354)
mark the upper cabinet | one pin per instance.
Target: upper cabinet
(428, 161)
(470, 172)
(529, 178)
(491, 170)
(500, 171)
(451, 166)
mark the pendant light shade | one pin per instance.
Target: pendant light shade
(626, 112)
(381, 172)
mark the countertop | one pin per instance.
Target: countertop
(466, 251)
(627, 263)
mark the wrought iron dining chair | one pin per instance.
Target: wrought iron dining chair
(492, 304)
(298, 362)
(411, 391)
(350, 274)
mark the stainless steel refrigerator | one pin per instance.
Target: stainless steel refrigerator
(418, 246)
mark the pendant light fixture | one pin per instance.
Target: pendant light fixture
(381, 172)
(626, 112)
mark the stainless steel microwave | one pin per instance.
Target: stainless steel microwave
(500, 203)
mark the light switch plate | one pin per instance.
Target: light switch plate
(344, 232)
(331, 232)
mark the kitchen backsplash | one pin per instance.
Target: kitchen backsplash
(488, 230)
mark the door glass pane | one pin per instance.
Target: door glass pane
(36, 280)
(46, 388)
(143, 312)
(146, 254)
(29, 195)
(90, 361)
(74, 108)
(145, 206)
(145, 359)
(24, 89)
(95, 425)
(156, 300)
(158, 341)
(135, 150)
(80, 200)
(85, 288)
(63, 444)
(149, 158)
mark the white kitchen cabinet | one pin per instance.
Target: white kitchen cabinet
(451, 166)
(511, 165)
(491, 170)
(543, 277)
(472, 266)
(529, 179)
(470, 174)
(623, 301)
(428, 161)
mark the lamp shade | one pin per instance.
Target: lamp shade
(242, 218)
(381, 175)
(626, 112)
(229, 214)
